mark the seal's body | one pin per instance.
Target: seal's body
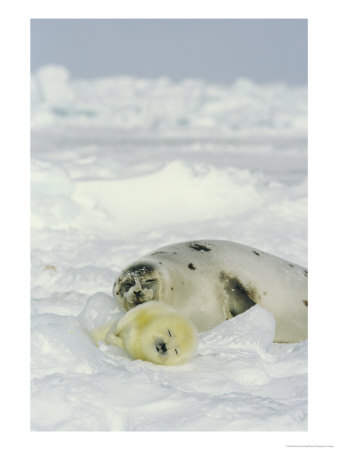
(212, 281)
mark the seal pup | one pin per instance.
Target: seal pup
(153, 332)
(211, 281)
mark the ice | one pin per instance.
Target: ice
(253, 328)
(184, 108)
(121, 166)
(233, 376)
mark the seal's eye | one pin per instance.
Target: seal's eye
(128, 284)
(150, 281)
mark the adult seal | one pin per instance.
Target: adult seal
(212, 281)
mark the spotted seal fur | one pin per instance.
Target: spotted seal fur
(211, 281)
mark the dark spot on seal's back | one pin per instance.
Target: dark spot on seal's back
(291, 265)
(171, 288)
(305, 303)
(157, 253)
(256, 253)
(199, 248)
(191, 266)
(241, 297)
(305, 272)
(222, 276)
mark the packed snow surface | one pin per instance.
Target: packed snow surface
(122, 166)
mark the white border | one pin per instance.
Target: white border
(323, 217)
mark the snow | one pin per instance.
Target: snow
(121, 166)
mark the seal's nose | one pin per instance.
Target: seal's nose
(161, 347)
(137, 294)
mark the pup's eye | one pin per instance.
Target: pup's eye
(150, 281)
(128, 284)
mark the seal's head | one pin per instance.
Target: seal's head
(137, 284)
(169, 339)
(157, 333)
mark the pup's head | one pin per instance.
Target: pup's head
(168, 339)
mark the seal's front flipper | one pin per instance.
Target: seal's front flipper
(112, 339)
(101, 333)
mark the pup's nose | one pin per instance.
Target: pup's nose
(137, 293)
(161, 348)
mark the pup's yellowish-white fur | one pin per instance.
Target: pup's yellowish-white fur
(154, 332)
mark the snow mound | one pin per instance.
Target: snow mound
(99, 309)
(178, 195)
(235, 382)
(255, 328)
